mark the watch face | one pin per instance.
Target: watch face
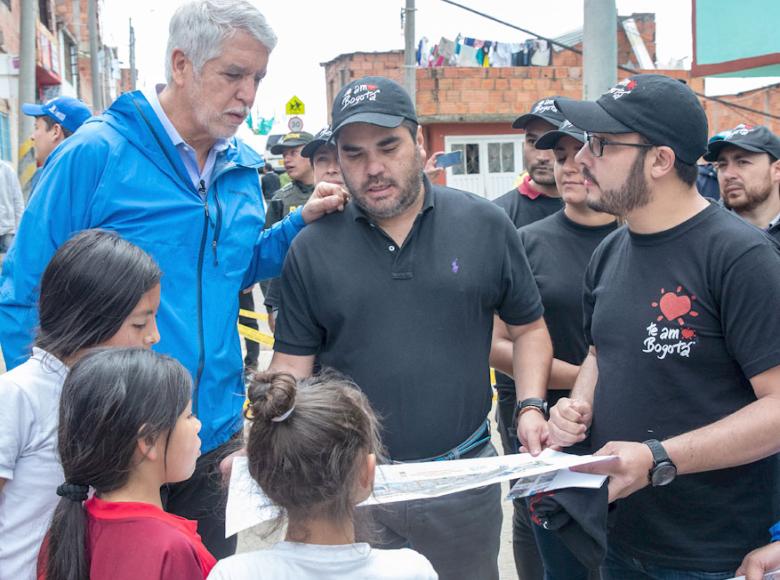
(663, 474)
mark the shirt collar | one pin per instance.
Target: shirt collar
(774, 222)
(152, 95)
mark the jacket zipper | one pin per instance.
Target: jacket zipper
(201, 339)
(217, 226)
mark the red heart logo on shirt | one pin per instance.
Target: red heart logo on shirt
(674, 306)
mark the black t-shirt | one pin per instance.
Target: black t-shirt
(523, 210)
(270, 183)
(558, 251)
(411, 325)
(681, 320)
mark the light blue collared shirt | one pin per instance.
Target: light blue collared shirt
(187, 153)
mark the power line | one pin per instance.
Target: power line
(621, 67)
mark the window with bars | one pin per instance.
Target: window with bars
(501, 157)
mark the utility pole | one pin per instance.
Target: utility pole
(599, 46)
(132, 56)
(27, 59)
(94, 58)
(410, 52)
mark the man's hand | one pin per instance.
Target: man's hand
(628, 472)
(430, 168)
(760, 561)
(226, 465)
(272, 320)
(326, 198)
(532, 431)
(569, 422)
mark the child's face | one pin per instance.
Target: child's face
(183, 447)
(140, 328)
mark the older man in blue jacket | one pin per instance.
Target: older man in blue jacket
(163, 169)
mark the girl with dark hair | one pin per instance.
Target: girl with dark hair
(126, 428)
(313, 448)
(98, 290)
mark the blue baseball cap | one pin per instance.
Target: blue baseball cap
(67, 111)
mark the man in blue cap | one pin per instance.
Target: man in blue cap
(55, 121)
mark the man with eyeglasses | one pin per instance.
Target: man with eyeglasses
(681, 384)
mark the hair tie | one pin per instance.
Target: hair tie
(73, 491)
(283, 416)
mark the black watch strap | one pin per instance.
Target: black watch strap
(664, 470)
(534, 402)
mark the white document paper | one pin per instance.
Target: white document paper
(248, 506)
(774, 575)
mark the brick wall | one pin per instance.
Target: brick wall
(765, 99)
(9, 25)
(499, 94)
(645, 24)
(346, 67)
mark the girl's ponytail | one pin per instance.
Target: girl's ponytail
(65, 553)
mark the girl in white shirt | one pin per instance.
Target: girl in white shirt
(97, 291)
(312, 449)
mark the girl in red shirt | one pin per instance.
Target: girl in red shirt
(126, 427)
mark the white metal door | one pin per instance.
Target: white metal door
(491, 163)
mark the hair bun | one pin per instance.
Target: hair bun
(271, 396)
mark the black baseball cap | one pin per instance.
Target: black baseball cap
(550, 139)
(542, 110)
(662, 109)
(319, 140)
(291, 140)
(374, 100)
(754, 138)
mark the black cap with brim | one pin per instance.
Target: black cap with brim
(550, 139)
(590, 116)
(324, 136)
(373, 100)
(714, 149)
(542, 110)
(756, 139)
(379, 119)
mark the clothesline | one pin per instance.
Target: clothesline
(467, 51)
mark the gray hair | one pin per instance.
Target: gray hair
(199, 28)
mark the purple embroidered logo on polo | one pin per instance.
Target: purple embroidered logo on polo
(455, 266)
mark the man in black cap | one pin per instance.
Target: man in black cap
(293, 195)
(400, 295)
(537, 195)
(322, 154)
(749, 175)
(535, 198)
(681, 383)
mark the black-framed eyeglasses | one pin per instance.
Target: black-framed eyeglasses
(596, 144)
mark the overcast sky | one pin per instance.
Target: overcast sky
(311, 33)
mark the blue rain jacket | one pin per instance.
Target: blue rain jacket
(121, 172)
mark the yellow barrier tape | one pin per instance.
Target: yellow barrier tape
(256, 335)
(250, 314)
(25, 147)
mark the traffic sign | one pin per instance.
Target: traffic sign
(295, 106)
(295, 124)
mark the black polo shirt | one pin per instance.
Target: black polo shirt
(412, 324)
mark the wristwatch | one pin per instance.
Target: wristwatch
(529, 403)
(664, 470)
